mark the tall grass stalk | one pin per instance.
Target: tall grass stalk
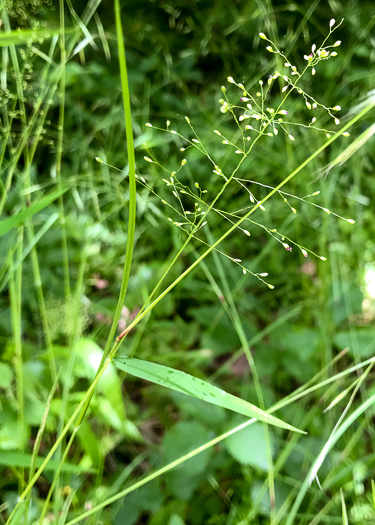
(122, 337)
(38, 441)
(15, 290)
(51, 82)
(130, 236)
(132, 182)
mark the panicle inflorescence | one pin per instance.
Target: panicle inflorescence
(273, 117)
(255, 119)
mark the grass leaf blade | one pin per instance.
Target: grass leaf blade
(23, 459)
(19, 218)
(25, 36)
(193, 386)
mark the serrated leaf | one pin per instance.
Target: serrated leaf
(192, 386)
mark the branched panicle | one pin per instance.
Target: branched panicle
(263, 113)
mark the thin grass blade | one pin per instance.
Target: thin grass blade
(23, 460)
(8, 224)
(344, 513)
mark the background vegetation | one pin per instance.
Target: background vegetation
(62, 257)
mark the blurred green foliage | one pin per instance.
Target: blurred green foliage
(178, 56)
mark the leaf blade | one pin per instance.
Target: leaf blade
(22, 459)
(9, 223)
(190, 385)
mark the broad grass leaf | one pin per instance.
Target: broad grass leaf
(210, 415)
(192, 386)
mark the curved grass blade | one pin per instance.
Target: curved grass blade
(193, 386)
(348, 152)
(339, 429)
(19, 218)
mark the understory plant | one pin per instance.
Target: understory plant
(278, 113)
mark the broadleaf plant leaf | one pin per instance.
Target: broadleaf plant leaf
(193, 386)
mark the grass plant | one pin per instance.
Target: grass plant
(75, 405)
